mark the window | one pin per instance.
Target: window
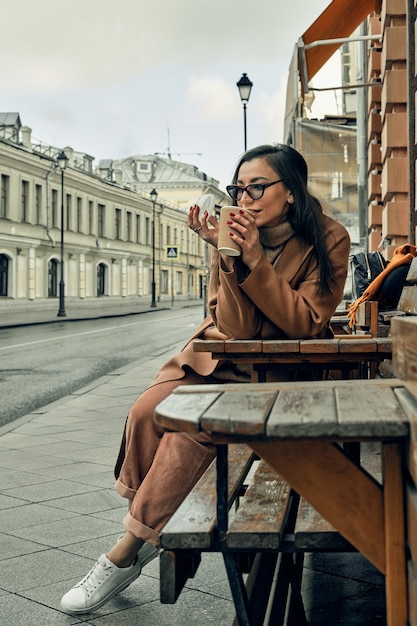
(137, 228)
(69, 212)
(179, 282)
(4, 274)
(117, 223)
(54, 207)
(147, 230)
(24, 207)
(337, 186)
(101, 225)
(168, 235)
(101, 279)
(38, 204)
(129, 226)
(52, 278)
(91, 217)
(4, 203)
(79, 215)
(164, 281)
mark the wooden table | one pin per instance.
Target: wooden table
(340, 354)
(294, 427)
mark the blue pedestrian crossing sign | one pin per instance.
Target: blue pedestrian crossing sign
(171, 252)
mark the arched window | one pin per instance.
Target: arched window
(4, 274)
(101, 279)
(53, 278)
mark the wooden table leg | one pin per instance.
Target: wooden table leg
(394, 514)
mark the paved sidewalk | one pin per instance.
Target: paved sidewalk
(80, 310)
(59, 512)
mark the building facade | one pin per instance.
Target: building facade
(107, 228)
(384, 99)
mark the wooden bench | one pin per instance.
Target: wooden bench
(245, 540)
(267, 536)
(265, 509)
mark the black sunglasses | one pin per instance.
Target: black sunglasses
(254, 191)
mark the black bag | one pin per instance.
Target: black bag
(364, 267)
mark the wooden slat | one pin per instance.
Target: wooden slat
(177, 413)
(272, 345)
(319, 346)
(248, 346)
(408, 300)
(363, 346)
(260, 519)
(412, 272)
(377, 414)
(313, 533)
(404, 354)
(193, 523)
(309, 410)
(241, 410)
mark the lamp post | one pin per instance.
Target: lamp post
(244, 85)
(153, 194)
(62, 162)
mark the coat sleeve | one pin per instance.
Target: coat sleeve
(283, 300)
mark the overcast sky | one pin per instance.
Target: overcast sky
(114, 78)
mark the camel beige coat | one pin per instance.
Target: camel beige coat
(272, 302)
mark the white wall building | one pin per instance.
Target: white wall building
(108, 225)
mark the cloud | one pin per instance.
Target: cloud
(211, 99)
(114, 78)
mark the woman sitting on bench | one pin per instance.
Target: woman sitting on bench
(287, 282)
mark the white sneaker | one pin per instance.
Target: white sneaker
(105, 580)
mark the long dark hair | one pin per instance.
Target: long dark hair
(306, 214)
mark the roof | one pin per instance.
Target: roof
(150, 168)
(10, 119)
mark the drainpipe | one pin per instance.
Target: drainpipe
(361, 139)
(47, 176)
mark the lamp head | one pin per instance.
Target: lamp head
(244, 85)
(62, 160)
(153, 194)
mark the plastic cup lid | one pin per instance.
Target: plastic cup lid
(206, 203)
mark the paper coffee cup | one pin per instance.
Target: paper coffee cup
(225, 244)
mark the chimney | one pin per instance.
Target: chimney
(26, 135)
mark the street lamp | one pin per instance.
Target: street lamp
(244, 85)
(153, 194)
(62, 162)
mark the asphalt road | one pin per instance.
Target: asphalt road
(40, 364)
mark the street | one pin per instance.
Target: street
(42, 363)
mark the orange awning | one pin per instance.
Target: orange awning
(339, 20)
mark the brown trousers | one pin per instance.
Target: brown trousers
(156, 470)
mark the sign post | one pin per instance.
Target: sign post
(171, 253)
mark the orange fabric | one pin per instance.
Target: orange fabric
(402, 255)
(338, 20)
